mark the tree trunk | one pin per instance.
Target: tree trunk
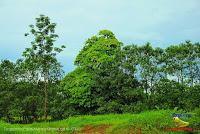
(191, 75)
(46, 96)
(182, 77)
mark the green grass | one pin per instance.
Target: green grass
(150, 122)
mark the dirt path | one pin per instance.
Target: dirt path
(100, 129)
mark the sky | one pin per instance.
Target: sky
(161, 22)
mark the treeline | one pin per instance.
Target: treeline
(110, 78)
(116, 78)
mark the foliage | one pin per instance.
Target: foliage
(77, 85)
(98, 49)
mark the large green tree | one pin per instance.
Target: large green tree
(98, 49)
(102, 58)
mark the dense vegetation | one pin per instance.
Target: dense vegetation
(110, 78)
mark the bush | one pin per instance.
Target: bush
(110, 107)
(139, 107)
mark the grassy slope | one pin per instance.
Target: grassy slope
(150, 122)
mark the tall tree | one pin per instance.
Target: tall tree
(102, 57)
(42, 53)
(98, 49)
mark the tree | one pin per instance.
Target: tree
(7, 71)
(42, 54)
(169, 94)
(77, 85)
(102, 58)
(145, 64)
(98, 49)
(7, 90)
(112, 86)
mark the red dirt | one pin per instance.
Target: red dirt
(100, 129)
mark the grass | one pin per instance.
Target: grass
(149, 122)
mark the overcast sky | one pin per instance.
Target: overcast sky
(161, 22)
